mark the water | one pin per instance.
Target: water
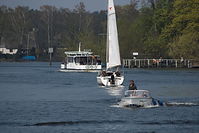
(36, 98)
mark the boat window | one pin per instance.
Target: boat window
(77, 59)
(137, 93)
(70, 59)
(90, 61)
(83, 60)
(98, 61)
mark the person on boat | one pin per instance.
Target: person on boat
(132, 85)
(103, 73)
(112, 79)
(117, 73)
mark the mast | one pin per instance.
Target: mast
(107, 42)
(80, 46)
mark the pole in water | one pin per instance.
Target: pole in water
(50, 51)
(50, 59)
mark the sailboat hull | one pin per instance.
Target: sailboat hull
(106, 80)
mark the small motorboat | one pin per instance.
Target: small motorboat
(139, 98)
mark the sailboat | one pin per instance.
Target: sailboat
(109, 77)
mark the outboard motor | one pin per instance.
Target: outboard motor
(157, 102)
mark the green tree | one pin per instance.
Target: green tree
(183, 32)
(155, 46)
(126, 21)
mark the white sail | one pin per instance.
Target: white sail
(113, 52)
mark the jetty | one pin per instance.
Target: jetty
(159, 63)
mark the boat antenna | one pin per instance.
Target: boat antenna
(79, 46)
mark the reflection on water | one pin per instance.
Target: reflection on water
(115, 91)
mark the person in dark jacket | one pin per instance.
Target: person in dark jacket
(112, 79)
(132, 85)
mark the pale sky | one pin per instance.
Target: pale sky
(91, 5)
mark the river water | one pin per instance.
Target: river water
(36, 98)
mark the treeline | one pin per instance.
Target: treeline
(160, 28)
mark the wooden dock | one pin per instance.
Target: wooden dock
(157, 63)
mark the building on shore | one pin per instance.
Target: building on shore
(4, 50)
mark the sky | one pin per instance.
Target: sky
(91, 5)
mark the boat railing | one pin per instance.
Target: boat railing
(137, 93)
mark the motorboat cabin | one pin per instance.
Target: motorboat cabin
(81, 60)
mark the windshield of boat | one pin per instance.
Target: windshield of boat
(137, 93)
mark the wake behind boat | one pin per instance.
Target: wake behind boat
(81, 61)
(111, 77)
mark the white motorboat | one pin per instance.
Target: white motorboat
(138, 98)
(81, 61)
(109, 77)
